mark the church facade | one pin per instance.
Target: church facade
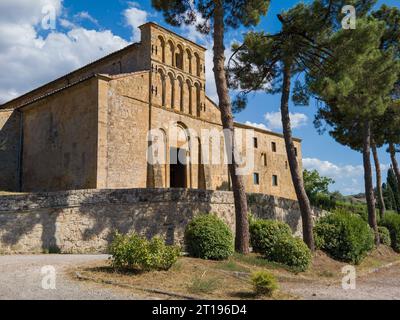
(98, 127)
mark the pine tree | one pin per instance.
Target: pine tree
(218, 16)
(268, 62)
(355, 88)
(388, 195)
(392, 183)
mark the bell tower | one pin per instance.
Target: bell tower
(178, 70)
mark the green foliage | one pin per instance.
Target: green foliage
(392, 183)
(291, 251)
(264, 283)
(316, 184)
(274, 240)
(384, 236)
(388, 197)
(392, 222)
(323, 201)
(137, 253)
(264, 234)
(208, 237)
(200, 12)
(344, 236)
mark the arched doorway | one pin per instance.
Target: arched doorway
(179, 171)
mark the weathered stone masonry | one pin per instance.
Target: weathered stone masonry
(84, 221)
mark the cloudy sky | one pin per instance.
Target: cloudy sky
(34, 51)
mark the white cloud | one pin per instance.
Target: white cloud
(256, 125)
(84, 15)
(135, 17)
(30, 60)
(274, 120)
(349, 178)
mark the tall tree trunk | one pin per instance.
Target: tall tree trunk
(381, 202)
(242, 225)
(369, 188)
(297, 176)
(392, 151)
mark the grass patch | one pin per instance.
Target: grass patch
(203, 284)
(255, 260)
(232, 266)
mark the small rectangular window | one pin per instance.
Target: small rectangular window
(264, 159)
(256, 178)
(255, 143)
(273, 146)
(275, 180)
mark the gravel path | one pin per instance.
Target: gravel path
(381, 285)
(21, 278)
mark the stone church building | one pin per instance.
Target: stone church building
(89, 129)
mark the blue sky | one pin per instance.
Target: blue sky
(89, 29)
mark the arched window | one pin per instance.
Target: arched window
(179, 57)
(171, 85)
(162, 46)
(198, 64)
(162, 81)
(189, 61)
(171, 53)
(181, 94)
(198, 99)
(189, 100)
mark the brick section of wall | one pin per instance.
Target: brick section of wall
(84, 221)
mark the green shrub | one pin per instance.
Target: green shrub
(208, 237)
(384, 236)
(324, 232)
(292, 252)
(323, 201)
(345, 236)
(265, 233)
(264, 283)
(135, 252)
(392, 222)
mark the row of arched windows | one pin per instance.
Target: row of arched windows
(177, 56)
(176, 93)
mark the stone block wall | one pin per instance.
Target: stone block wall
(10, 134)
(84, 221)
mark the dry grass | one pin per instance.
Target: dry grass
(7, 193)
(229, 279)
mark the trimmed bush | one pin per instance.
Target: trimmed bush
(208, 237)
(344, 236)
(137, 253)
(392, 222)
(265, 233)
(292, 252)
(384, 236)
(264, 283)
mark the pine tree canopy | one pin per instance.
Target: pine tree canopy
(201, 12)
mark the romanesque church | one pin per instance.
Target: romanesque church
(90, 128)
